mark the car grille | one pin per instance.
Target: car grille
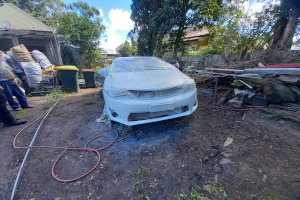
(160, 93)
(152, 115)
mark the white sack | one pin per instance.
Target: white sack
(41, 59)
(33, 73)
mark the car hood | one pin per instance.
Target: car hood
(149, 80)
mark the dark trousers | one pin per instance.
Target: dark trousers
(5, 115)
(10, 90)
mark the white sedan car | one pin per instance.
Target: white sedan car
(139, 90)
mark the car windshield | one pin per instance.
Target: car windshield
(135, 64)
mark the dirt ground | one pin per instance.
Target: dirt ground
(183, 158)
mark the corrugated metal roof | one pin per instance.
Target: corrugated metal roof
(20, 20)
(192, 34)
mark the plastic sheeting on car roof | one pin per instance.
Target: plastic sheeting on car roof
(134, 64)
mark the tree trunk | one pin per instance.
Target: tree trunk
(284, 32)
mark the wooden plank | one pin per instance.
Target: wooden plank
(254, 76)
(223, 70)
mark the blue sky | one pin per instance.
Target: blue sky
(116, 18)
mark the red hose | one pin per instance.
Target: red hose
(101, 133)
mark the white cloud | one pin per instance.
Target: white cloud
(119, 21)
(101, 12)
(257, 7)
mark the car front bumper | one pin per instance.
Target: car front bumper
(121, 110)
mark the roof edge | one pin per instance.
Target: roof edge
(52, 30)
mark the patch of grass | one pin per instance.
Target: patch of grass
(142, 196)
(101, 103)
(142, 171)
(182, 196)
(179, 181)
(153, 184)
(194, 195)
(54, 96)
(89, 102)
(57, 113)
(124, 129)
(137, 186)
(217, 190)
(272, 114)
(214, 192)
(21, 114)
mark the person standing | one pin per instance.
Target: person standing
(5, 116)
(10, 86)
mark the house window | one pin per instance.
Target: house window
(193, 47)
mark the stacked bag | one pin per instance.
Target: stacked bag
(31, 68)
(19, 59)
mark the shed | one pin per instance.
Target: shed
(18, 27)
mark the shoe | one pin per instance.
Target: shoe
(17, 109)
(27, 107)
(15, 122)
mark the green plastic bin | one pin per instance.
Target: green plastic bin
(89, 78)
(69, 78)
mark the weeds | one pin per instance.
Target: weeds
(142, 170)
(57, 113)
(54, 96)
(153, 184)
(218, 191)
(182, 196)
(124, 129)
(21, 114)
(89, 102)
(214, 192)
(101, 103)
(198, 196)
(137, 186)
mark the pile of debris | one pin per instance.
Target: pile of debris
(255, 87)
(33, 69)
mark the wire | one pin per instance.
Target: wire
(65, 149)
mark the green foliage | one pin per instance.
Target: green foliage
(218, 191)
(137, 186)
(237, 32)
(54, 96)
(161, 26)
(143, 171)
(142, 12)
(215, 192)
(127, 49)
(89, 102)
(78, 23)
(124, 129)
(21, 114)
(82, 27)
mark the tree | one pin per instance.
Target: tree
(126, 49)
(285, 28)
(82, 27)
(142, 13)
(239, 31)
(172, 21)
(169, 19)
